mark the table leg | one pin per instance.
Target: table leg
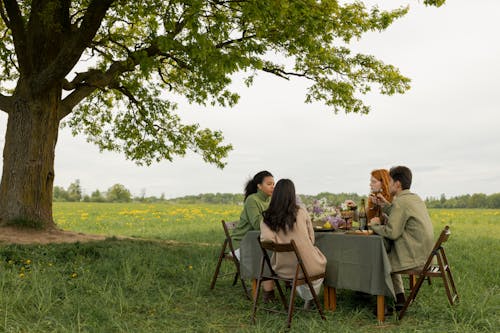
(333, 299)
(380, 308)
(254, 288)
(330, 298)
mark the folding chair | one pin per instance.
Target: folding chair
(442, 269)
(295, 281)
(227, 253)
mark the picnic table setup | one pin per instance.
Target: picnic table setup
(355, 261)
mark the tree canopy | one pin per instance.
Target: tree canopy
(134, 54)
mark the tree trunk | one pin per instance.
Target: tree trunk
(28, 161)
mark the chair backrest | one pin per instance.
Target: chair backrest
(443, 237)
(286, 247)
(227, 226)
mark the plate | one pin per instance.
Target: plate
(359, 233)
(321, 229)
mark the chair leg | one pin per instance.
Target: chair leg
(219, 263)
(291, 303)
(443, 270)
(255, 300)
(282, 294)
(412, 296)
(316, 300)
(450, 279)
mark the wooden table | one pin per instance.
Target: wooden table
(354, 262)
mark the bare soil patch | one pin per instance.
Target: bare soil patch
(12, 235)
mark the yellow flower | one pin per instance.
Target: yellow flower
(21, 275)
(74, 275)
(190, 267)
(27, 261)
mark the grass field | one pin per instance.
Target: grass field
(160, 283)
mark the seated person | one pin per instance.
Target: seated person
(409, 227)
(379, 184)
(284, 220)
(258, 191)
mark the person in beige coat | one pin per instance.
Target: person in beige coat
(409, 228)
(283, 221)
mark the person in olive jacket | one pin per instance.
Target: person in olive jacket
(409, 228)
(258, 191)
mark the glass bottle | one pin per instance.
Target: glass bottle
(363, 225)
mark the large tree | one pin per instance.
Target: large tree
(107, 69)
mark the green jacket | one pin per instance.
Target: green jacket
(410, 229)
(251, 216)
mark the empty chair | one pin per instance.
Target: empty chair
(227, 253)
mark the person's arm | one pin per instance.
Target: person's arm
(394, 227)
(310, 229)
(254, 213)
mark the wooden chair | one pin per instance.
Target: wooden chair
(295, 281)
(442, 269)
(227, 253)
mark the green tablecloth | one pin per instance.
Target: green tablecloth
(354, 262)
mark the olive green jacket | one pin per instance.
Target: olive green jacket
(251, 216)
(409, 229)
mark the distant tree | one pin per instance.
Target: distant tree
(478, 200)
(144, 52)
(74, 191)
(97, 196)
(60, 194)
(494, 200)
(118, 193)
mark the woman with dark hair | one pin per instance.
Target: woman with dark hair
(258, 191)
(379, 193)
(283, 221)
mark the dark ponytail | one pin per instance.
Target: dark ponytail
(251, 186)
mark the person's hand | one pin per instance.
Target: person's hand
(381, 200)
(374, 220)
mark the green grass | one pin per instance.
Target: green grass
(161, 283)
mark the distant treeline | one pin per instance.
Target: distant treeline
(476, 200)
(118, 193)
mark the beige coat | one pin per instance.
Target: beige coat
(410, 229)
(303, 234)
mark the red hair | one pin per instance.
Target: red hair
(381, 175)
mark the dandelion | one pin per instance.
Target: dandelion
(27, 261)
(74, 275)
(190, 267)
(21, 275)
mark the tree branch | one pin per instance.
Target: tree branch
(232, 41)
(284, 74)
(86, 83)
(16, 24)
(6, 104)
(74, 47)
(3, 15)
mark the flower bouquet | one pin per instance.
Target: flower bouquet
(324, 215)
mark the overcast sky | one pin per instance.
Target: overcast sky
(446, 128)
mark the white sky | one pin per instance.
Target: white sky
(446, 128)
